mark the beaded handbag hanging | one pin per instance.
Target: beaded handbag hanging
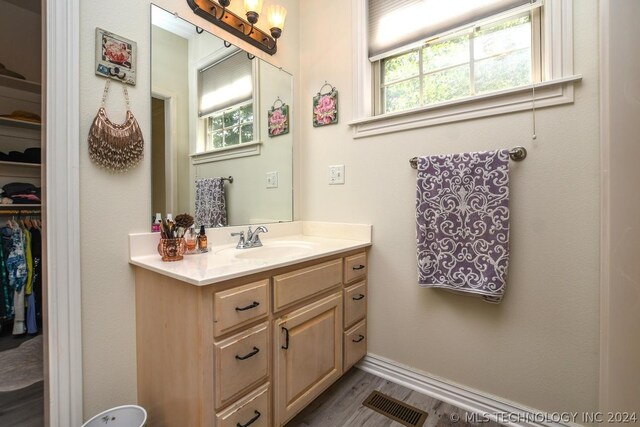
(116, 147)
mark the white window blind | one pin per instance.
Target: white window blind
(225, 83)
(394, 24)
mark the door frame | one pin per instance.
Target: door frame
(170, 145)
(62, 316)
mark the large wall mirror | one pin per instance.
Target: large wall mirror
(211, 110)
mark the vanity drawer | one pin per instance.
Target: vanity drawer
(355, 267)
(355, 303)
(253, 407)
(240, 305)
(297, 285)
(241, 362)
(355, 344)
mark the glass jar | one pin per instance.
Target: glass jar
(191, 239)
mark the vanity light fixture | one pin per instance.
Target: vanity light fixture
(217, 13)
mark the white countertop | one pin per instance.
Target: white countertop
(224, 262)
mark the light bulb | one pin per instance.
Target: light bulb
(276, 16)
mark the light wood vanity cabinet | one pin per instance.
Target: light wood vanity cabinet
(249, 351)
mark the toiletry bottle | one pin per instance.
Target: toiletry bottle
(191, 238)
(155, 227)
(169, 217)
(202, 240)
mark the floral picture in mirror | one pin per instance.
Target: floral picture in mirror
(278, 119)
(325, 107)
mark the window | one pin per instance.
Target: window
(226, 100)
(422, 63)
(493, 57)
(230, 127)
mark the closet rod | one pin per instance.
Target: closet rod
(517, 154)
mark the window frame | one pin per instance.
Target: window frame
(199, 155)
(380, 84)
(208, 143)
(553, 85)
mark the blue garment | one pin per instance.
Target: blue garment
(32, 325)
(16, 262)
(6, 299)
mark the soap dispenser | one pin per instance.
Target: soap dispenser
(202, 240)
(155, 226)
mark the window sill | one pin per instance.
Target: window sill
(241, 150)
(547, 94)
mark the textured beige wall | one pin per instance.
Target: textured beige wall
(114, 205)
(111, 206)
(540, 346)
(621, 314)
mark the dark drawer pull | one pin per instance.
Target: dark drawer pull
(251, 421)
(358, 267)
(252, 305)
(357, 297)
(360, 338)
(286, 343)
(248, 355)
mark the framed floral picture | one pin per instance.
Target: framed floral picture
(115, 57)
(278, 119)
(325, 107)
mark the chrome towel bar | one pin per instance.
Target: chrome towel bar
(517, 154)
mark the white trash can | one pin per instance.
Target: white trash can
(120, 416)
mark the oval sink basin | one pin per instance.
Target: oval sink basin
(275, 250)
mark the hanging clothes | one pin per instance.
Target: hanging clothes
(6, 303)
(16, 261)
(6, 244)
(21, 276)
(36, 252)
(33, 283)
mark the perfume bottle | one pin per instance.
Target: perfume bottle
(202, 240)
(191, 238)
(155, 226)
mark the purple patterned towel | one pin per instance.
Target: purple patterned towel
(462, 218)
(211, 203)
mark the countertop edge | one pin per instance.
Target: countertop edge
(225, 277)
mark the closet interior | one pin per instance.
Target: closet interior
(21, 213)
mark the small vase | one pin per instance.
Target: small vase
(172, 249)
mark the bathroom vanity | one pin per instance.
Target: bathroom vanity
(249, 337)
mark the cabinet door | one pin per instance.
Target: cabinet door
(308, 355)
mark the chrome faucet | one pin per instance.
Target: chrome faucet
(253, 238)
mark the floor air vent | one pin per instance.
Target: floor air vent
(395, 409)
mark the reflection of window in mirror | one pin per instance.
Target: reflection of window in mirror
(226, 101)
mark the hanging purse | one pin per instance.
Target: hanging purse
(116, 147)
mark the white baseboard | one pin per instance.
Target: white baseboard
(488, 406)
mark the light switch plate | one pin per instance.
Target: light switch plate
(336, 174)
(272, 179)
